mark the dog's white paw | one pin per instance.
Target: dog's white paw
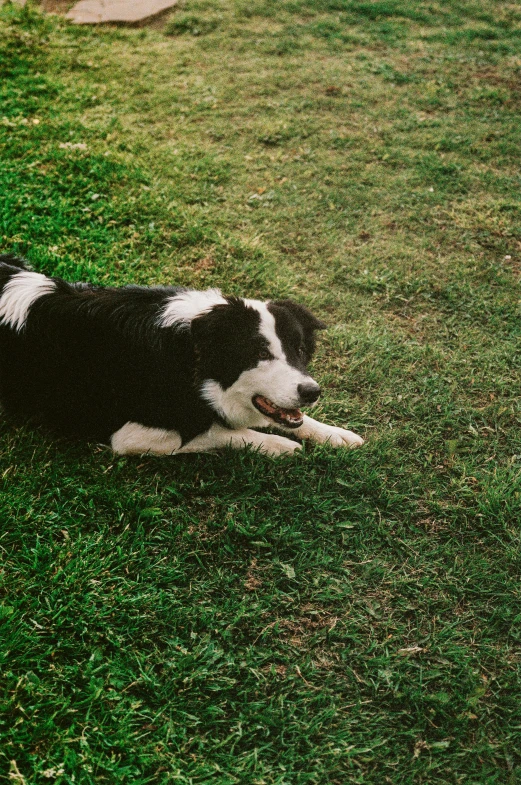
(336, 437)
(278, 445)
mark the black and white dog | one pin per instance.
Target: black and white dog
(159, 370)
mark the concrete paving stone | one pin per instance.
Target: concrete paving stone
(92, 12)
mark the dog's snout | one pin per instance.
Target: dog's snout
(308, 392)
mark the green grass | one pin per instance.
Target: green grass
(339, 617)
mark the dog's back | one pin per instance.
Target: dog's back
(85, 359)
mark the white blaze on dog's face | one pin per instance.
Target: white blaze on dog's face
(252, 359)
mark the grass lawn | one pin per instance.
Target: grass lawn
(337, 617)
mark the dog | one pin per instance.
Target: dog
(158, 370)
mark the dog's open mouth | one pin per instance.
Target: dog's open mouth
(291, 418)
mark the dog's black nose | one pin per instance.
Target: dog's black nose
(308, 392)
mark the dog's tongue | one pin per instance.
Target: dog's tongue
(271, 410)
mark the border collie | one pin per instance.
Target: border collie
(160, 370)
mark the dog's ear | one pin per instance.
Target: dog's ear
(226, 319)
(307, 319)
(204, 333)
(204, 327)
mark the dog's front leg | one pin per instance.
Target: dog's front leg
(218, 437)
(327, 434)
(136, 439)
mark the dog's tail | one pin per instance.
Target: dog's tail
(14, 261)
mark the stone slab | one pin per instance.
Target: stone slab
(93, 12)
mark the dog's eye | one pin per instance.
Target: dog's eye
(264, 354)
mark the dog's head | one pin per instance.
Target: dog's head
(252, 360)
